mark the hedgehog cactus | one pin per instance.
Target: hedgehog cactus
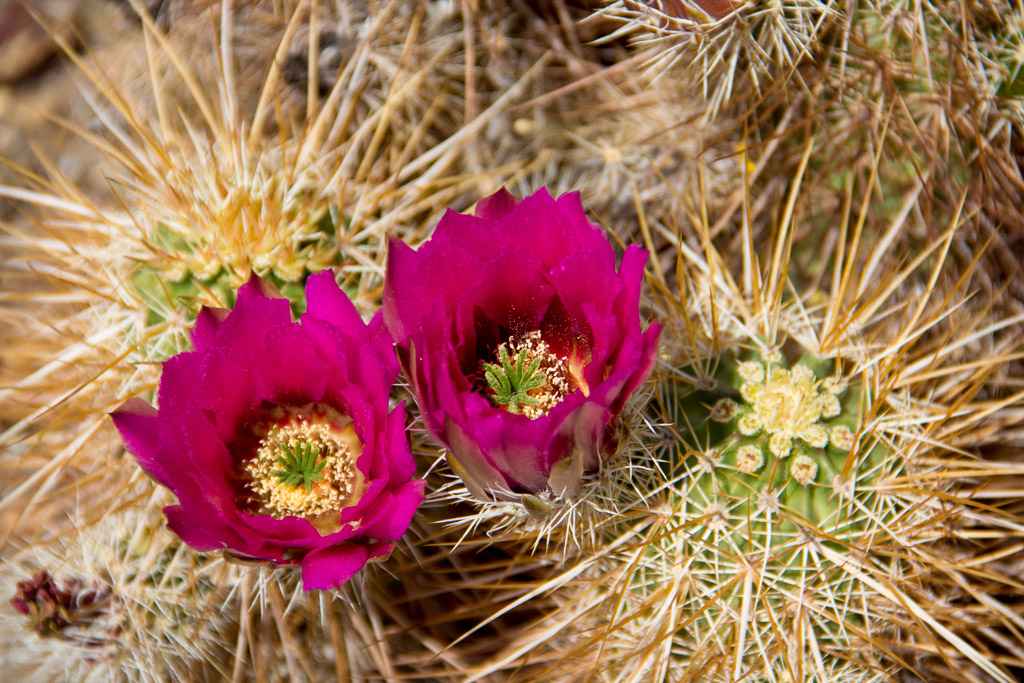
(189, 266)
(768, 461)
(803, 452)
(767, 435)
(730, 48)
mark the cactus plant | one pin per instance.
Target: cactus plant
(122, 599)
(818, 483)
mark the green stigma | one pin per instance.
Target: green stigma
(299, 466)
(512, 383)
(529, 379)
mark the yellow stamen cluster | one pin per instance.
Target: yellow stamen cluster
(786, 405)
(332, 437)
(558, 380)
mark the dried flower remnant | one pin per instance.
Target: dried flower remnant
(66, 611)
(277, 438)
(804, 469)
(749, 459)
(724, 410)
(521, 338)
(784, 402)
(784, 407)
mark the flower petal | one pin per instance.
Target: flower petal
(400, 507)
(516, 267)
(385, 346)
(401, 465)
(473, 464)
(328, 568)
(179, 378)
(413, 285)
(137, 423)
(193, 532)
(258, 309)
(380, 549)
(207, 323)
(643, 368)
(325, 300)
(518, 307)
(497, 205)
(229, 386)
(290, 368)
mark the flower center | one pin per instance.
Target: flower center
(305, 465)
(528, 379)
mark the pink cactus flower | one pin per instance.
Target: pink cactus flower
(521, 340)
(276, 436)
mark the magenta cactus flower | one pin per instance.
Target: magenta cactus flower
(276, 435)
(521, 340)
